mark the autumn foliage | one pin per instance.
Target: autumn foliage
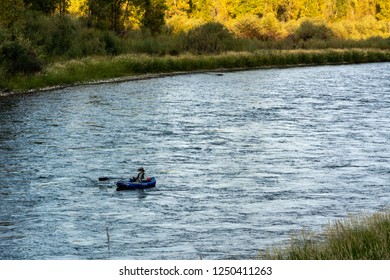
(44, 31)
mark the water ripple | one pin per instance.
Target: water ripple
(242, 161)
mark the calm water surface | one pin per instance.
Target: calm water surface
(242, 161)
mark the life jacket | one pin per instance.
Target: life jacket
(140, 176)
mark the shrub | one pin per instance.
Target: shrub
(88, 43)
(4, 34)
(291, 27)
(113, 45)
(148, 45)
(38, 28)
(252, 27)
(385, 26)
(344, 29)
(60, 35)
(153, 18)
(270, 27)
(367, 26)
(247, 26)
(313, 30)
(20, 58)
(181, 23)
(207, 38)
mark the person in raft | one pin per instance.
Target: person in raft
(141, 177)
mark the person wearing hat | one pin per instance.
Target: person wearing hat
(140, 176)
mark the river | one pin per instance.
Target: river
(242, 161)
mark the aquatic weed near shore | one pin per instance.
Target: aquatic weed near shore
(106, 68)
(356, 238)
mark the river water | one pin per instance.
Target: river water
(242, 160)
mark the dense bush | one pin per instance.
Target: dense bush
(310, 29)
(208, 38)
(3, 35)
(112, 44)
(271, 28)
(89, 42)
(39, 31)
(181, 23)
(251, 26)
(58, 35)
(18, 57)
(247, 26)
(368, 26)
(344, 29)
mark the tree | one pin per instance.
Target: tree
(106, 14)
(201, 9)
(116, 23)
(76, 6)
(178, 7)
(154, 15)
(383, 10)
(290, 10)
(242, 7)
(313, 9)
(220, 12)
(112, 14)
(47, 7)
(365, 8)
(11, 16)
(63, 6)
(342, 8)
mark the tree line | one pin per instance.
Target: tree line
(112, 15)
(119, 15)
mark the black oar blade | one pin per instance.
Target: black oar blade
(104, 179)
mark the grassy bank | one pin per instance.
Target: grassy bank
(358, 238)
(105, 68)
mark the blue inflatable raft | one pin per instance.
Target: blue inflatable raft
(129, 184)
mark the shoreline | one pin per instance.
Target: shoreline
(141, 77)
(148, 67)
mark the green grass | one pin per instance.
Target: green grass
(96, 69)
(356, 238)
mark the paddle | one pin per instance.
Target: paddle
(104, 179)
(111, 178)
(108, 178)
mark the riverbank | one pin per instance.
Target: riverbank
(105, 69)
(355, 238)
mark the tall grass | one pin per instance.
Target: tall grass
(97, 69)
(356, 238)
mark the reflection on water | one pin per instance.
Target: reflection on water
(242, 160)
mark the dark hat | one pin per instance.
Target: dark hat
(141, 169)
